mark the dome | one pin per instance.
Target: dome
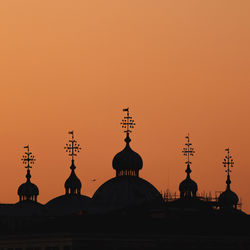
(188, 188)
(28, 190)
(69, 204)
(127, 162)
(73, 184)
(228, 198)
(124, 192)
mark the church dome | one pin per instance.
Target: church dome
(123, 192)
(73, 184)
(228, 198)
(127, 162)
(28, 190)
(188, 186)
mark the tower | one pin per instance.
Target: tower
(188, 187)
(127, 162)
(228, 199)
(28, 190)
(73, 184)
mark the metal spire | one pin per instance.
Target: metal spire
(72, 147)
(28, 159)
(188, 151)
(228, 163)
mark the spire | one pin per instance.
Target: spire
(128, 124)
(228, 163)
(188, 187)
(73, 184)
(127, 162)
(188, 151)
(28, 190)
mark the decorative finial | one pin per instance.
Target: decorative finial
(128, 124)
(188, 151)
(228, 163)
(28, 159)
(72, 147)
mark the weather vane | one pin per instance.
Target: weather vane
(28, 159)
(188, 151)
(228, 161)
(72, 147)
(127, 123)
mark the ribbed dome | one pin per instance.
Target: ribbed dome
(28, 190)
(127, 162)
(188, 186)
(73, 184)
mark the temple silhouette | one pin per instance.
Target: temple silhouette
(125, 212)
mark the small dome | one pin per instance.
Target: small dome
(188, 188)
(73, 184)
(127, 162)
(28, 190)
(124, 192)
(228, 199)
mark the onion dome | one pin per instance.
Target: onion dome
(127, 162)
(28, 190)
(188, 188)
(73, 184)
(127, 190)
(228, 199)
(72, 202)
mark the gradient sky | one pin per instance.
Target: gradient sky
(181, 66)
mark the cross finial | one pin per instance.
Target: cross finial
(28, 159)
(188, 151)
(228, 163)
(72, 147)
(127, 123)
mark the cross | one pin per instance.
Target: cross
(72, 147)
(28, 158)
(127, 123)
(188, 151)
(228, 161)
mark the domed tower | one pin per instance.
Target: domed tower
(188, 187)
(126, 190)
(72, 202)
(28, 190)
(228, 199)
(73, 184)
(127, 162)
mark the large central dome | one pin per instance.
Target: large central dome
(127, 189)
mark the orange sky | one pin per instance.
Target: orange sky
(181, 66)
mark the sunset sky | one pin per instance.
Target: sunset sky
(181, 66)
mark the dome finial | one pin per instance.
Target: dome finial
(228, 163)
(188, 151)
(72, 184)
(28, 190)
(72, 147)
(188, 187)
(128, 124)
(28, 159)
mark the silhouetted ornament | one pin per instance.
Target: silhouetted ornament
(72, 202)
(188, 188)
(228, 199)
(28, 190)
(127, 190)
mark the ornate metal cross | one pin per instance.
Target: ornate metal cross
(72, 147)
(127, 123)
(28, 159)
(228, 161)
(188, 151)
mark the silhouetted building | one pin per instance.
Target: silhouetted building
(126, 190)
(72, 201)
